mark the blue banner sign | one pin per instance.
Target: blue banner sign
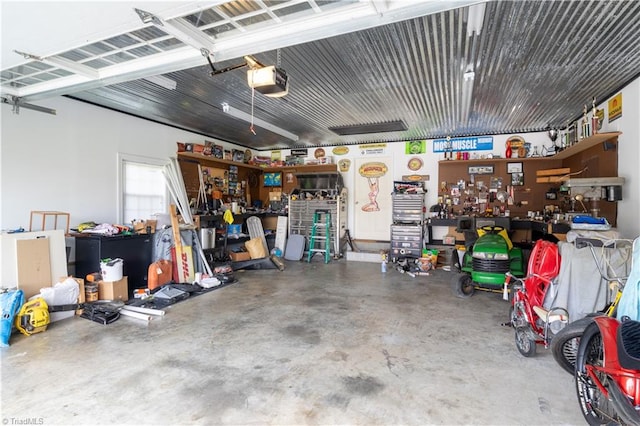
(480, 143)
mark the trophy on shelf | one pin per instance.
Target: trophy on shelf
(448, 149)
(553, 135)
(594, 117)
(572, 134)
(586, 132)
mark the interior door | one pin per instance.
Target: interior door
(372, 198)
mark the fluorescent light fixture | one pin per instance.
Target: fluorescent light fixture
(162, 81)
(258, 122)
(475, 18)
(469, 76)
(180, 29)
(466, 98)
(367, 128)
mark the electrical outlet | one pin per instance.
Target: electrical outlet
(524, 203)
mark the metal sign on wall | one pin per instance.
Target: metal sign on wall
(372, 148)
(615, 107)
(476, 143)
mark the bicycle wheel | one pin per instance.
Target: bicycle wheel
(564, 345)
(595, 407)
(525, 344)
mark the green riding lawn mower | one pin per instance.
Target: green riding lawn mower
(489, 254)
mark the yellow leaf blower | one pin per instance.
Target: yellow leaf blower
(33, 317)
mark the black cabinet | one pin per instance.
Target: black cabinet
(134, 250)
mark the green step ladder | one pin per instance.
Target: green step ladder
(320, 232)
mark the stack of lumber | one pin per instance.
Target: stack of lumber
(553, 175)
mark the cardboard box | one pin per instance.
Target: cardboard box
(141, 227)
(114, 290)
(239, 256)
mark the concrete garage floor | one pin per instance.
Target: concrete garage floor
(316, 344)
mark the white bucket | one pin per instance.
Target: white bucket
(111, 269)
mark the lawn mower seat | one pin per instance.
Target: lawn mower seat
(470, 238)
(500, 230)
(467, 227)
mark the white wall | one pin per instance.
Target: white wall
(629, 159)
(68, 162)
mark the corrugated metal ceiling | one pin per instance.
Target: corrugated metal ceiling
(535, 64)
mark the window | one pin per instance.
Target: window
(143, 191)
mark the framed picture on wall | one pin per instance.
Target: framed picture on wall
(514, 167)
(517, 179)
(480, 170)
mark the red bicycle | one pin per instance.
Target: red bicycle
(608, 372)
(534, 324)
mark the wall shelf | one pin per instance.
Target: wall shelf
(585, 144)
(304, 168)
(494, 160)
(250, 173)
(212, 159)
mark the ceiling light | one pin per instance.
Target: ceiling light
(270, 81)
(162, 81)
(361, 129)
(258, 122)
(180, 29)
(475, 18)
(469, 76)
